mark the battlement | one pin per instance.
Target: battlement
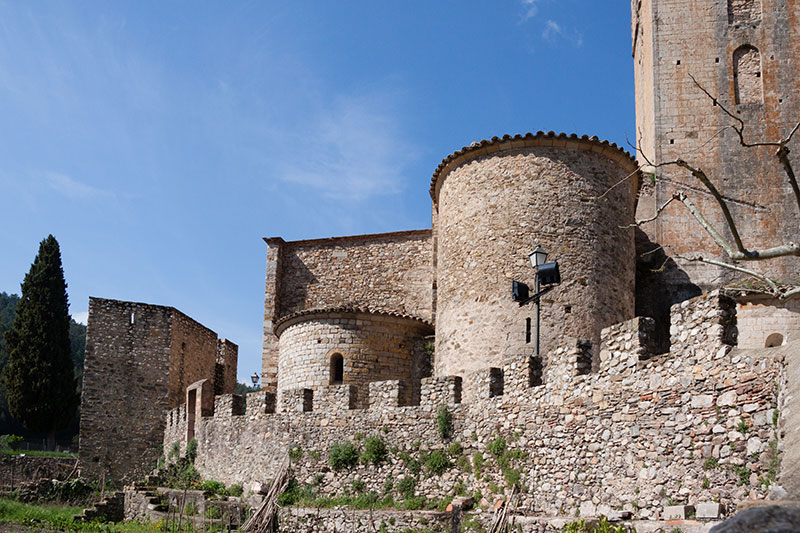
(703, 332)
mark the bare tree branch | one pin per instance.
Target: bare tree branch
(701, 259)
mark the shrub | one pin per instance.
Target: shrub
(343, 455)
(444, 422)
(174, 451)
(477, 463)
(463, 464)
(358, 486)
(455, 449)
(12, 442)
(710, 463)
(414, 503)
(191, 450)
(498, 446)
(406, 487)
(214, 487)
(213, 512)
(388, 485)
(437, 462)
(236, 490)
(374, 450)
(511, 476)
(295, 453)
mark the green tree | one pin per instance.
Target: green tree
(39, 375)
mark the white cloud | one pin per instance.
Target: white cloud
(530, 9)
(352, 151)
(81, 317)
(554, 32)
(73, 188)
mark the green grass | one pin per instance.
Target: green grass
(39, 453)
(59, 518)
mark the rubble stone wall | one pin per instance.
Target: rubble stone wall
(147, 355)
(543, 191)
(699, 423)
(127, 352)
(16, 469)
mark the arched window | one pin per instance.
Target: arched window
(775, 339)
(747, 81)
(337, 369)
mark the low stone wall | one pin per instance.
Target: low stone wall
(697, 424)
(327, 520)
(16, 469)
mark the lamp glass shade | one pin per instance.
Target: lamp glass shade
(538, 256)
(254, 378)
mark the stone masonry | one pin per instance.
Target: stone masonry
(495, 201)
(700, 423)
(747, 54)
(140, 359)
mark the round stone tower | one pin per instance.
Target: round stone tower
(493, 202)
(348, 346)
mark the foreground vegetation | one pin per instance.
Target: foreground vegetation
(59, 518)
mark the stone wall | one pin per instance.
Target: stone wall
(327, 520)
(193, 356)
(139, 360)
(374, 347)
(692, 425)
(16, 469)
(125, 389)
(717, 43)
(495, 201)
(388, 272)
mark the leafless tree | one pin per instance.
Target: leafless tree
(734, 247)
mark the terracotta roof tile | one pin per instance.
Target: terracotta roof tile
(539, 138)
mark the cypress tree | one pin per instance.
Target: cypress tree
(39, 376)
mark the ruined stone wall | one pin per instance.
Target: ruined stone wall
(495, 203)
(139, 360)
(226, 366)
(747, 54)
(17, 469)
(698, 424)
(125, 388)
(193, 356)
(374, 347)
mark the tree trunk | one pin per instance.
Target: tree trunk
(51, 440)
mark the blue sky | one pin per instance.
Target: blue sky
(160, 141)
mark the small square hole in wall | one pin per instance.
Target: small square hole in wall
(758, 74)
(716, 60)
(567, 309)
(672, 141)
(678, 62)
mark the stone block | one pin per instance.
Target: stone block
(390, 393)
(708, 510)
(296, 400)
(677, 512)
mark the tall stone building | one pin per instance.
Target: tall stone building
(746, 53)
(140, 358)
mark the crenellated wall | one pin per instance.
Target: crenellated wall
(696, 424)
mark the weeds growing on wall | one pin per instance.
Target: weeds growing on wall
(343, 455)
(592, 526)
(444, 422)
(374, 450)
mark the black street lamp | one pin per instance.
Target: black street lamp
(254, 379)
(546, 274)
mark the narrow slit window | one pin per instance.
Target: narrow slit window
(527, 331)
(337, 369)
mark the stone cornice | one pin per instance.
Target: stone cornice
(508, 142)
(327, 312)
